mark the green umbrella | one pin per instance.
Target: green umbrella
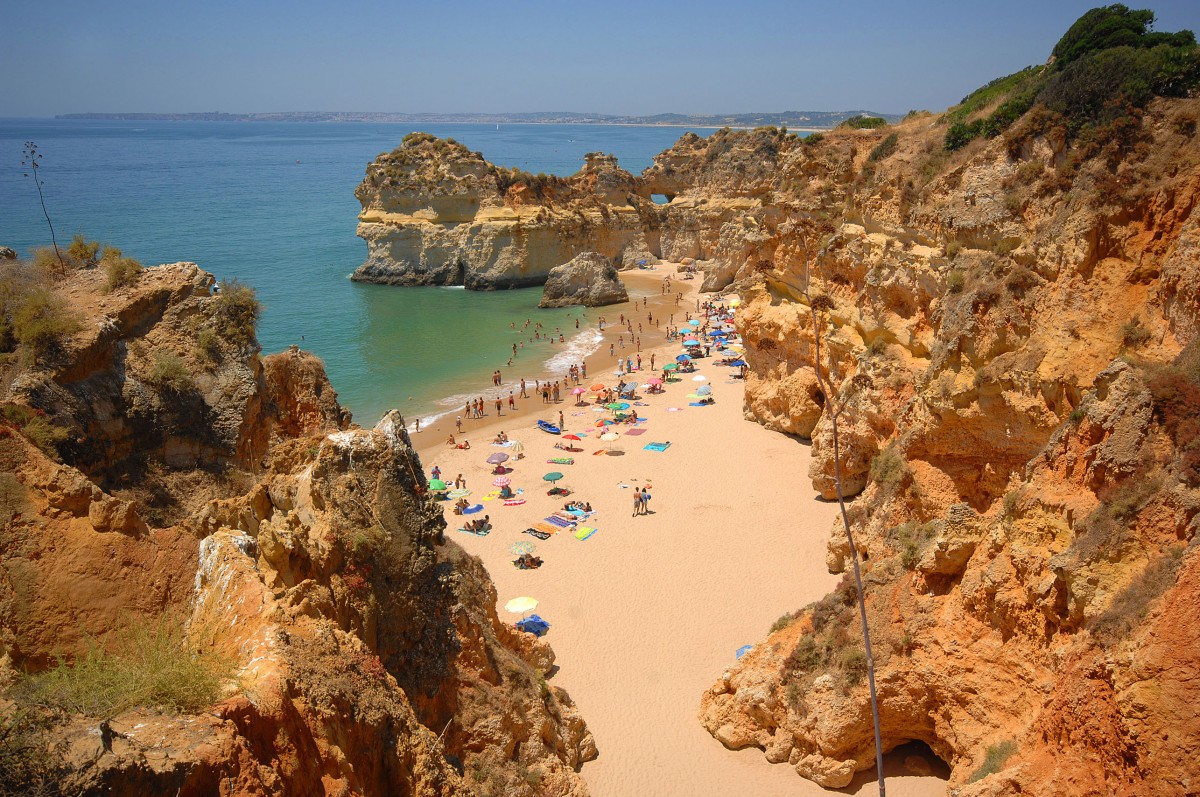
(617, 405)
(670, 366)
(552, 476)
(437, 484)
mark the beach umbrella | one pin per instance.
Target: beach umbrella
(694, 323)
(437, 484)
(743, 650)
(552, 477)
(596, 388)
(734, 302)
(576, 438)
(578, 391)
(502, 481)
(522, 547)
(617, 405)
(654, 381)
(717, 334)
(609, 437)
(517, 447)
(738, 363)
(704, 390)
(603, 422)
(497, 458)
(521, 605)
(691, 343)
(699, 378)
(683, 358)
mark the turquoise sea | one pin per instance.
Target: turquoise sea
(273, 205)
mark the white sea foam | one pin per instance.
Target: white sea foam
(586, 342)
(574, 351)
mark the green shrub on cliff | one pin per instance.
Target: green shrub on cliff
(169, 372)
(37, 321)
(119, 270)
(885, 148)
(149, 665)
(237, 312)
(35, 427)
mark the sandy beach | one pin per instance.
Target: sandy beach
(648, 611)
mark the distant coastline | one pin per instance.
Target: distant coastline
(797, 120)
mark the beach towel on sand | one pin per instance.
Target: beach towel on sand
(656, 446)
(514, 502)
(541, 535)
(560, 522)
(483, 533)
(698, 404)
(636, 431)
(561, 461)
(583, 532)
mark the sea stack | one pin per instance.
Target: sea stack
(435, 213)
(589, 279)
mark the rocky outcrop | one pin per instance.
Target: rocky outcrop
(1010, 344)
(435, 213)
(588, 279)
(368, 658)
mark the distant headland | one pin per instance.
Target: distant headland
(794, 119)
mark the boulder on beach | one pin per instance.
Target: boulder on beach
(7, 253)
(589, 279)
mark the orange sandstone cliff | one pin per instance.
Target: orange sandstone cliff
(181, 476)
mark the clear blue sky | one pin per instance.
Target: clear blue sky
(522, 55)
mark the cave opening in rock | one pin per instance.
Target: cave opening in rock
(916, 758)
(661, 199)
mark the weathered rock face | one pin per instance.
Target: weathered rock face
(435, 213)
(588, 279)
(1010, 346)
(369, 656)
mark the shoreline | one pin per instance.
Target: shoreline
(600, 365)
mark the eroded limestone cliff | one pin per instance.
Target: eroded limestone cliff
(435, 213)
(181, 476)
(1011, 329)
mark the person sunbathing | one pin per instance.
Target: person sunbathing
(506, 492)
(527, 561)
(479, 525)
(450, 441)
(465, 444)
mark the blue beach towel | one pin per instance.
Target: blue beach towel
(656, 446)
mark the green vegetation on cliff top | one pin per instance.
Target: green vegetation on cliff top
(1109, 64)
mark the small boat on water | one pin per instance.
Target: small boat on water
(548, 427)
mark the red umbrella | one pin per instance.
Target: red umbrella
(571, 437)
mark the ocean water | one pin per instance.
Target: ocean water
(272, 204)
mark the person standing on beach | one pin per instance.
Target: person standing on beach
(562, 426)
(637, 502)
(652, 356)
(512, 404)
(458, 424)
(523, 394)
(498, 411)
(645, 499)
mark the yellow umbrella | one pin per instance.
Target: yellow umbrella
(521, 605)
(734, 302)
